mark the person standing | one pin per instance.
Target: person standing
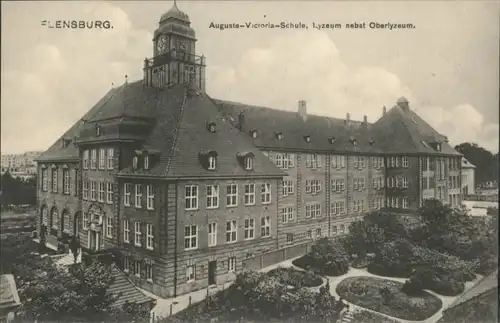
(75, 247)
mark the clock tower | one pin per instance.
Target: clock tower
(174, 57)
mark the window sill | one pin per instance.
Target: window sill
(213, 208)
(250, 204)
(150, 208)
(231, 242)
(149, 280)
(137, 245)
(266, 203)
(196, 209)
(150, 248)
(232, 206)
(190, 249)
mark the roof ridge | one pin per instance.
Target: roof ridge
(176, 135)
(253, 106)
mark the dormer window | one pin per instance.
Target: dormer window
(97, 130)
(253, 133)
(211, 162)
(331, 140)
(135, 161)
(146, 162)
(248, 163)
(353, 141)
(307, 138)
(208, 159)
(66, 142)
(279, 135)
(246, 160)
(438, 147)
(372, 142)
(211, 127)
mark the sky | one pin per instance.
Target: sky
(447, 66)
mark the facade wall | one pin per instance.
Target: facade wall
(61, 204)
(468, 183)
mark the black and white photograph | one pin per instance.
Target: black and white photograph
(293, 161)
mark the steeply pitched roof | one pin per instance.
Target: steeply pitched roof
(60, 152)
(181, 134)
(268, 122)
(403, 131)
(486, 284)
(467, 164)
(9, 298)
(126, 290)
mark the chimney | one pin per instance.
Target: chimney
(384, 111)
(403, 104)
(348, 117)
(365, 120)
(302, 109)
(241, 121)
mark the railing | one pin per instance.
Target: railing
(176, 55)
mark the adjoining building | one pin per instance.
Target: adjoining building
(185, 187)
(468, 178)
(20, 165)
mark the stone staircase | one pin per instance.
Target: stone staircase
(347, 317)
(68, 259)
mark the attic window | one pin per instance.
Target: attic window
(354, 141)
(246, 159)
(211, 127)
(307, 138)
(438, 147)
(254, 133)
(331, 140)
(97, 130)
(134, 162)
(146, 162)
(372, 142)
(279, 135)
(208, 159)
(66, 142)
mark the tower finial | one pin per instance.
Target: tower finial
(126, 79)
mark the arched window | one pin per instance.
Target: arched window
(54, 221)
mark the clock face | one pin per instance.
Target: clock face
(161, 44)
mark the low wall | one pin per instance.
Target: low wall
(273, 257)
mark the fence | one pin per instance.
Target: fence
(273, 257)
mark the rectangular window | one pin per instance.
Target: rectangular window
(265, 193)
(126, 189)
(212, 234)
(211, 162)
(149, 237)
(191, 197)
(231, 195)
(102, 158)
(111, 155)
(109, 193)
(265, 226)
(249, 229)
(126, 264)
(150, 192)
(85, 189)
(249, 194)
(138, 234)
(138, 196)
(149, 272)
(45, 180)
(279, 160)
(231, 264)
(66, 181)
(101, 192)
(86, 159)
(54, 180)
(126, 231)
(405, 182)
(405, 202)
(190, 273)
(137, 268)
(93, 190)
(288, 187)
(289, 237)
(405, 162)
(231, 231)
(318, 233)
(212, 196)
(109, 227)
(191, 237)
(287, 214)
(85, 221)
(93, 159)
(338, 207)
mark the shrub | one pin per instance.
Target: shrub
(393, 259)
(296, 278)
(440, 282)
(329, 257)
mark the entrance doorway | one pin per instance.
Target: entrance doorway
(94, 240)
(212, 268)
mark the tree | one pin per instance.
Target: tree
(392, 225)
(486, 163)
(329, 257)
(55, 293)
(363, 237)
